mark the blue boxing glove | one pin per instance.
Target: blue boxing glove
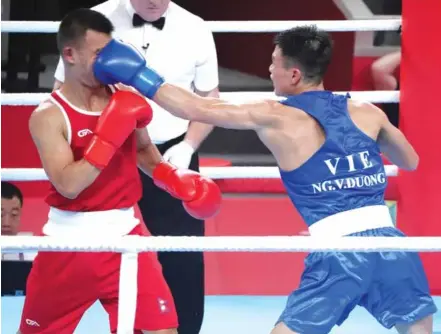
(120, 62)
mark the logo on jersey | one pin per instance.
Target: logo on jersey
(84, 133)
(352, 163)
(32, 323)
(163, 305)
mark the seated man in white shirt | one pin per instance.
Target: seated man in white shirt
(181, 47)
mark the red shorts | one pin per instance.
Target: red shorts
(63, 285)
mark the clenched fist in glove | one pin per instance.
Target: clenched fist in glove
(125, 112)
(121, 62)
(201, 196)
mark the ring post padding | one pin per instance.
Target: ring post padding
(418, 212)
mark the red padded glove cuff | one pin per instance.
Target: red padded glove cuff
(161, 175)
(99, 153)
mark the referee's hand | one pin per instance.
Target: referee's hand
(179, 154)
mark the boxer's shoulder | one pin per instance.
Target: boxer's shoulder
(362, 106)
(365, 111)
(46, 115)
(266, 113)
(290, 113)
(270, 114)
(47, 109)
(367, 117)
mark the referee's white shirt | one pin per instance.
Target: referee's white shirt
(183, 52)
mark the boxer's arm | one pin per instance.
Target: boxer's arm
(48, 131)
(120, 62)
(197, 132)
(394, 145)
(148, 155)
(187, 105)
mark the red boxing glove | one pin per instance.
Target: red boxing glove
(125, 112)
(201, 196)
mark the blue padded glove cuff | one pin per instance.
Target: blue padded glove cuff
(147, 82)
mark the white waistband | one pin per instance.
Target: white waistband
(352, 221)
(95, 223)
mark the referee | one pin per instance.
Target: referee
(180, 46)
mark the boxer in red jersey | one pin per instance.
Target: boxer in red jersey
(91, 140)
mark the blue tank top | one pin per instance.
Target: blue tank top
(346, 173)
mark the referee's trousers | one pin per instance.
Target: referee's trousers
(183, 271)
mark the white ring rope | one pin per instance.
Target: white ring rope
(137, 244)
(33, 99)
(38, 174)
(233, 26)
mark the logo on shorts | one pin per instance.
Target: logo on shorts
(32, 323)
(84, 133)
(163, 305)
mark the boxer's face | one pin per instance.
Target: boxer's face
(83, 54)
(285, 78)
(150, 10)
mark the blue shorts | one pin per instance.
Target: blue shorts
(392, 286)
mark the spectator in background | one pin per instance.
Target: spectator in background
(15, 266)
(180, 45)
(386, 76)
(385, 71)
(12, 203)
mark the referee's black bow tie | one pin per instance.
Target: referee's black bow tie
(138, 21)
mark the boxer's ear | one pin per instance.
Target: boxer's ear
(296, 76)
(68, 54)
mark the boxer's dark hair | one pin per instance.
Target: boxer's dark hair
(308, 48)
(9, 191)
(74, 26)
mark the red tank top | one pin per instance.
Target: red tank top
(118, 185)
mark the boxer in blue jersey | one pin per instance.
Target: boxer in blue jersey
(328, 148)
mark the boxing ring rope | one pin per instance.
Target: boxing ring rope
(224, 173)
(232, 26)
(33, 99)
(137, 244)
